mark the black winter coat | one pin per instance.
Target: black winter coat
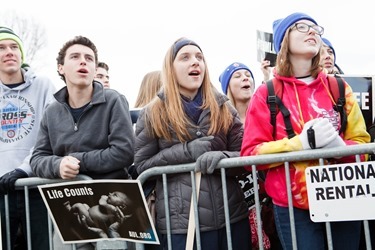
(151, 152)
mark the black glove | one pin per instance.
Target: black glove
(8, 180)
(199, 146)
(207, 162)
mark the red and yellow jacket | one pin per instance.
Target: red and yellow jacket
(304, 102)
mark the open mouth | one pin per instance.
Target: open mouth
(194, 73)
(84, 71)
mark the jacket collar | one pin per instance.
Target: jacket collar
(97, 97)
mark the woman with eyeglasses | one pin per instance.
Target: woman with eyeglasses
(297, 42)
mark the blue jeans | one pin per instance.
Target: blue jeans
(17, 216)
(311, 235)
(216, 239)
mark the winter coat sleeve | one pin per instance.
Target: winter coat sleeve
(43, 163)
(120, 152)
(148, 152)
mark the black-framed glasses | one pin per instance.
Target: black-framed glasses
(304, 28)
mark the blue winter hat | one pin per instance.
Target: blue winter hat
(329, 44)
(281, 25)
(228, 72)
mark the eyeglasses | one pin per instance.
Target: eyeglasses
(304, 28)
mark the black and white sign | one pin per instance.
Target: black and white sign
(88, 211)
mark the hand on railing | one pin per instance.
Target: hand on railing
(8, 180)
(337, 142)
(207, 162)
(69, 167)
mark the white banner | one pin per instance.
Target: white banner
(341, 192)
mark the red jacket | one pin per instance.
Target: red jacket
(305, 102)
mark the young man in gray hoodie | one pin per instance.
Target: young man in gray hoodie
(24, 97)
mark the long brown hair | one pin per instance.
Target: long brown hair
(283, 65)
(168, 115)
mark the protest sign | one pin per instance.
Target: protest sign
(94, 210)
(265, 48)
(341, 192)
(363, 90)
(247, 184)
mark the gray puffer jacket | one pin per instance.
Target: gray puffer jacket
(151, 152)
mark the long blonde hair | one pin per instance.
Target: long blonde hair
(283, 65)
(167, 116)
(151, 84)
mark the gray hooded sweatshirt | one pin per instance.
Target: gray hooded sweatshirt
(21, 111)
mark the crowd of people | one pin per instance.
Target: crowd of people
(86, 128)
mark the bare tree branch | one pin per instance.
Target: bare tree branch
(31, 32)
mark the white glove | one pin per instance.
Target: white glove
(303, 135)
(337, 142)
(321, 130)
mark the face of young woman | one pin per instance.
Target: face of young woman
(241, 85)
(306, 44)
(327, 58)
(189, 68)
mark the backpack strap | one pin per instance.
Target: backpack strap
(337, 88)
(275, 92)
(271, 100)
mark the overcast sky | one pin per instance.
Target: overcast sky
(133, 36)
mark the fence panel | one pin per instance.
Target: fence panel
(253, 161)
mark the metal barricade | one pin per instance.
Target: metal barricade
(253, 161)
(26, 184)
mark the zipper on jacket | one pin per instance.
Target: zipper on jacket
(79, 118)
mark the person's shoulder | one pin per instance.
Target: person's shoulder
(262, 89)
(220, 97)
(112, 94)
(42, 81)
(53, 108)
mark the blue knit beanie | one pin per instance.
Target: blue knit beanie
(329, 44)
(228, 72)
(281, 25)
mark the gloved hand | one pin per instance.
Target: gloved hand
(199, 146)
(322, 131)
(337, 142)
(303, 135)
(207, 162)
(7, 181)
